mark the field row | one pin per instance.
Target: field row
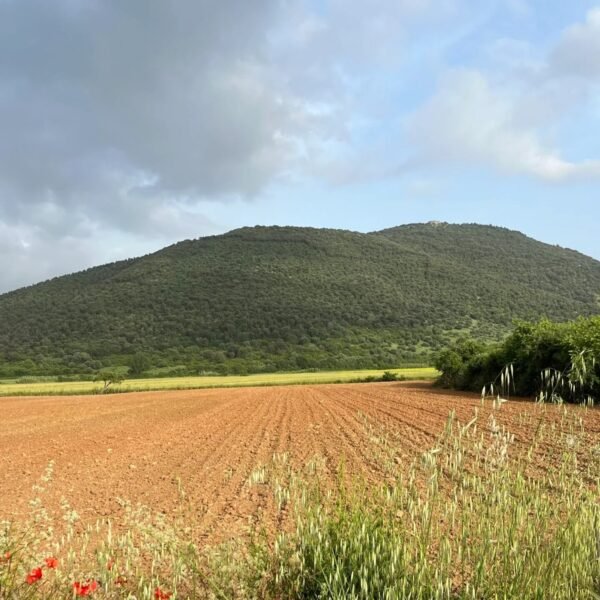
(146, 447)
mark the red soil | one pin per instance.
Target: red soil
(135, 446)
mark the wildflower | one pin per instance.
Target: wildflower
(161, 595)
(34, 575)
(5, 557)
(51, 562)
(86, 588)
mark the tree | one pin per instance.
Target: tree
(139, 363)
(108, 377)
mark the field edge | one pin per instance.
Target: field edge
(212, 382)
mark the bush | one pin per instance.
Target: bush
(108, 377)
(457, 362)
(566, 353)
(389, 376)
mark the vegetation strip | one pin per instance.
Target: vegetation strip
(51, 388)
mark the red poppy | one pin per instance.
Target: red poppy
(51, 562)
(5, 557)
(86, 588)
(161, 595)
(34, 575)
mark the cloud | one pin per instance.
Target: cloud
(137, 99)
(510, 119)
(119, 119)
(194, 100)
(125, 118)
(31, 253)
(124, 122)
(36, 249)
(469, 120)
(577, 53)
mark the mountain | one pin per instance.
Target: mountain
(272, 298)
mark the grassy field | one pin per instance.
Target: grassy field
(8, 388)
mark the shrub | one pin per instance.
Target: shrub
(457, 362)
(389, 376)
(536, 351)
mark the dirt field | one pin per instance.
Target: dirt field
(136, 445)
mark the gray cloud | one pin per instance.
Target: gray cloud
(185, 99)
(133, 98)
(123, 118)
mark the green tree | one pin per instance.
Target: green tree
(108, 377)
(139, 364)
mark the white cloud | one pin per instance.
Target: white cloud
(509, 119)
(469, 120)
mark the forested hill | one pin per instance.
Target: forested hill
(272, 298)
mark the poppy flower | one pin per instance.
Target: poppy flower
(5, 557)
(51, 562)
(161, 595)
(85, 588)
(34, 575)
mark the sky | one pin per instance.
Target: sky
(128, 126)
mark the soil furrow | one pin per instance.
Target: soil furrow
(140, 446)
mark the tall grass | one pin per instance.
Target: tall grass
(467, 521)
(475, 517)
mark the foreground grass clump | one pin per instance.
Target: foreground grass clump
(476, 517)
(468, 522)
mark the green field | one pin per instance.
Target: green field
(48, 388)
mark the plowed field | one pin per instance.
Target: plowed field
(137, 446)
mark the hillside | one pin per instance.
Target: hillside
(272, 298)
